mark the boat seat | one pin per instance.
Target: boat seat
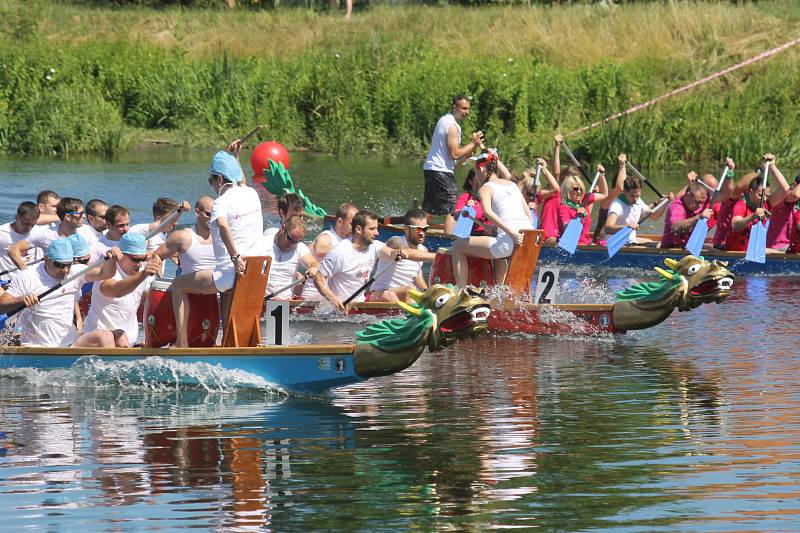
(523, 261)
(242, 327)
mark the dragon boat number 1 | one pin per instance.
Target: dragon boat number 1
(276, 332)
(547, 286)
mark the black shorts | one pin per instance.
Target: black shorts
(440, 192)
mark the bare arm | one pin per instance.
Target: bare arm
(551, 180)
(420, 281)
(321, 281)
(322, 245)
(557, 156)
(619, 184)
(310, 264)
(611, 223)
(778, 195)
(461, 152)
(106, 270)
(603, 194)
(177, 242)
(15, 252)
(47, 219)
(227, 239)
(502, 170)
(114, 288)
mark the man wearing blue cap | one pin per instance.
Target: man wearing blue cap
(116, 300)
(236, 229)
(49, 322)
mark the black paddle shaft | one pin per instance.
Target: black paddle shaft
(645, 180)
(575, 162)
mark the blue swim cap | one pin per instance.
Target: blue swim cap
(225, 165)
(60, 250)
(133, 243)
(79, 245)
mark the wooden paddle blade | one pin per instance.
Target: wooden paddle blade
(698, 237)
(523, 261)
(757, 245)
(465, 222)
(617, 241)
(242, 327)
(572, 233)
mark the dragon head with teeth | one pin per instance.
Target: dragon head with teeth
(440, 316)
(687, 284)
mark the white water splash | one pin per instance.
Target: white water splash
(151, 374)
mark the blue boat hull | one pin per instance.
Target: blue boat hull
(308, 371)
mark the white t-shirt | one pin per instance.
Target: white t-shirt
(347, 269)
(310, 291)
(242, 208)
(41, 237)
(116, 313)
(284, 264)
(439, 155)
(403, 274)
(89, 233)
(155, 241)
(628, 214)
(8, 237)
(49, 323)
(99, 249)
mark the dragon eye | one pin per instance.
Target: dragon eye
(694, 269)
(441, 300)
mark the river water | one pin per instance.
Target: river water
(689, 426)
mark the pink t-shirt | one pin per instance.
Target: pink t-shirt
(780, 226)
(677, 212)
(737, 241)
(549, 218)
(461, 202)
(566, 213)
(794, 246)
(724, 222)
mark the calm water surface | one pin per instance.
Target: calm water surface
(689, 426)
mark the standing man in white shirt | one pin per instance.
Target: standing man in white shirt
(285, 246)
(16, 231)
(348, 266)
(115, 301)
(446, 152)
(192, 245)
(236, 231)
(49, 322)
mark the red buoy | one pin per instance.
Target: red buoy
(265, 151)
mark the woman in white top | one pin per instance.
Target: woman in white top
(505, 206)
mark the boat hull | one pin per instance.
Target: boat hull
(309, 369)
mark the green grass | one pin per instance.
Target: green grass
(380, 81)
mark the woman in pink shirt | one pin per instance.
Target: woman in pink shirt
(783, 200)
(573, 205)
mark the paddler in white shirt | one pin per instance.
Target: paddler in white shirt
(285, 246)
(49, 321)
(192, 246)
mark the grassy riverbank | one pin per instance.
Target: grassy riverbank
(80, 79)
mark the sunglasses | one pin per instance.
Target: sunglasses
(76, 213)
(291, 239)
(82, 260)
(419, 228)
(576, 189)
(206, 213)
(136, 259)
(59, 264)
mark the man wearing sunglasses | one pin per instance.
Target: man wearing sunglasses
(94, 221)
(70, 212)
(192, 246)
(116, 300)
(393, 284)
(49, 322)
(287, 250)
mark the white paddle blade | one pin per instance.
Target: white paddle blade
(698, 237)
(535, 219)
(757, 245)
(617, 241)
(465, 223)
(572, 233)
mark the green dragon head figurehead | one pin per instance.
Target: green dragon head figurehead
(705, 281)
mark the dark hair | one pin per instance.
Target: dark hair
(67, 205)
(290, 200)
(42, 197)
(414, 213)
(754, 183)
(162, 206)
(457, 98)
(360, 219)
(467, 185)
(113, 212)
(28, 209)
(631, 182)
(92, 205)
(343, 209)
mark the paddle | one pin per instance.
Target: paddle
(645, 180)
(253, 132)
(362, 288)
(155, 231)
(575, 162)
(10, 270)
(757, 245)
(620, 238)
(698, 237)
(291, 285)
(572, 233)
(465, 222)
(534, 216)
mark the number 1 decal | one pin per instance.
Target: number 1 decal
(277, 326)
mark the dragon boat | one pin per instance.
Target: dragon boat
(596, 256)
(439, 317)
(685, 284)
